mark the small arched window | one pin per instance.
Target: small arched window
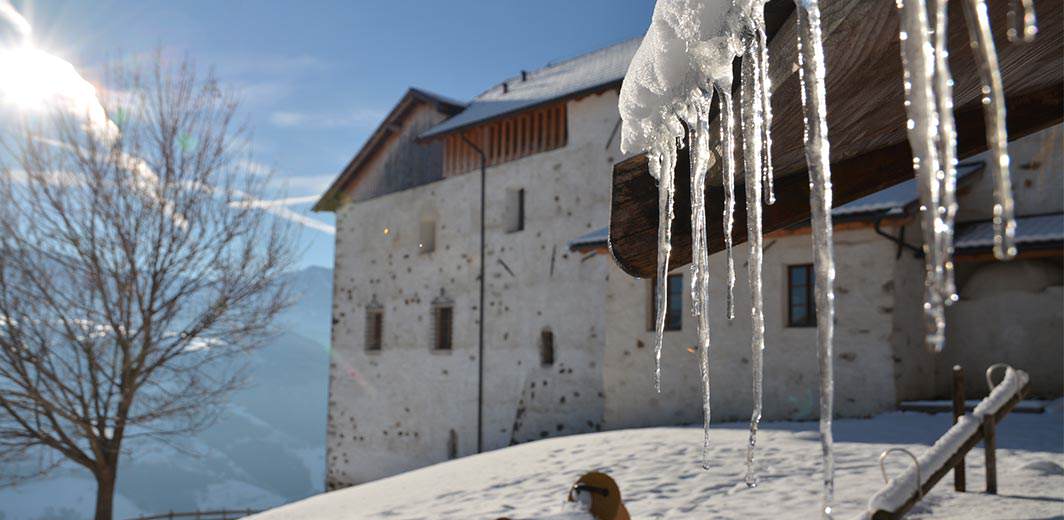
(546, 347)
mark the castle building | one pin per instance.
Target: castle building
(431, 364)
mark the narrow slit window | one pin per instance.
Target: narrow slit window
(674, 309)
(452, 445)
(801, 306)
(515, 210)
(374, 329)
(546, 347)
(427, 242)
(443, 325)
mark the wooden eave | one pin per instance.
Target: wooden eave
(596, 89)
(866, 121)
(349, 177)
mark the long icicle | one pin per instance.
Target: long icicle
(1022, 28)
(765, 88)
(727, 167)
(752, 143)
(994, 112)
(947, 142)
(814, 107)
(698, 147)
(918, 68)
(663, 167)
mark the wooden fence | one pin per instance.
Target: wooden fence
(222, 514)
(883, 507)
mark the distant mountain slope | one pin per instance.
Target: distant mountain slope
(267, 449)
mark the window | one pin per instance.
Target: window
(427, 242)
(374, 328)
(546, 347)
(515, 210)
(801, 309)
(674, 309)
(442, 326)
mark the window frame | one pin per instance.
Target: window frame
(442, 318)
(515, 216)
(425, 244)
(374, 337)
(546, 347)
(809, 302)
(676, 323)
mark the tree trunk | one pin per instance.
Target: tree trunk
(105, 493)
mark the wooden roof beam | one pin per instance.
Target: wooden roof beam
(866, 120)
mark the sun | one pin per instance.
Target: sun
(34, 80)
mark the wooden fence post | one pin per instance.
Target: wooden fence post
(958, 412)
(989, 446)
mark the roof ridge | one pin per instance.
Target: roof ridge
(556, 63)
(439, 97)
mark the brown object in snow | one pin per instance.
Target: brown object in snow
(606, 501)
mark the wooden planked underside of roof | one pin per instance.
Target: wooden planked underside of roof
(866, 120)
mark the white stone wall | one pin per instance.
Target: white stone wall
(394, 410)
(1005, 313)
(863, 362)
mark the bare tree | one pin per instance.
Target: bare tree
(135, 271)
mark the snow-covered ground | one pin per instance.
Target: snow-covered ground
(659, 473)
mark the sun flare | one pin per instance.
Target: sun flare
(36, 81)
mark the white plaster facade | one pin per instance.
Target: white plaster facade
(394, 410)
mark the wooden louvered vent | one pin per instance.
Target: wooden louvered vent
(507, 139)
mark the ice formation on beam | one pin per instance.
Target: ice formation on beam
(932, 136)
(686, 58)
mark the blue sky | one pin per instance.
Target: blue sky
(317, 77)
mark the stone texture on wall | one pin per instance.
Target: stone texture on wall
(1008, 312)
(395, 410)
(864, 366)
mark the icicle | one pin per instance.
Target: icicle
(752, 155)
(814, 107)
(698, 146)
(947, 141)
(923, 126)
(1027, 25)
(765, 87)
(727, 167)
(663, 166)
(994, 112)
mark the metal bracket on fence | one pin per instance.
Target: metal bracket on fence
(919, 477)
(990, 373)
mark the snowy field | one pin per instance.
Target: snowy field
(660, 475)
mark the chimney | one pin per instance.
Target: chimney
(505, 87)
(524, 75)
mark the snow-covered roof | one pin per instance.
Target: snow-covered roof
(1034, 229)
(572, 77)
(894, 199)
(891, 201)
(597, 237)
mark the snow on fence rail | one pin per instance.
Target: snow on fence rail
(901, 493)
(222, 514)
